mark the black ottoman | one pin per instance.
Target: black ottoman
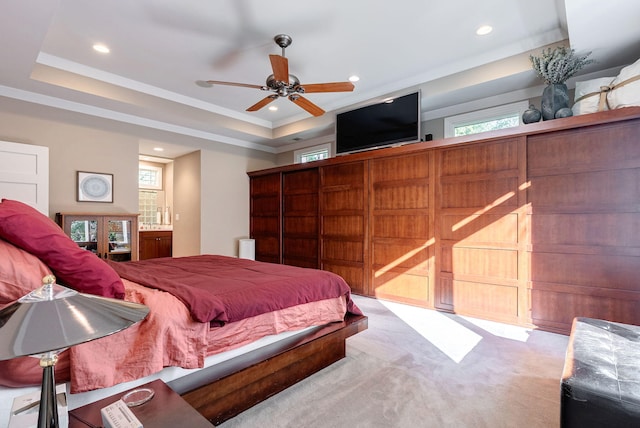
(601, 377)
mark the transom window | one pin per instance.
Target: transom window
(491, 119)
(311, 154)
(149, 177)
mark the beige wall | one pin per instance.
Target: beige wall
(76, 148)
(223, 227)
(210, 185)
(186, 205)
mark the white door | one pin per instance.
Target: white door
(24, 174)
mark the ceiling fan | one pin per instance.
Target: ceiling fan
(283, 84)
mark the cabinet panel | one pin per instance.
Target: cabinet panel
(301, 226)
(590, 149)
(587, 191)
(488, 263)
(346, 225)
(482, 230)
(406, 255)
(300, 223)
(343, 199)
(481, 193)
(401, 285)
(401, 228)
(479, 228)
(301, 204)
(490, 157)
(156, 243)
(587, 229)
(344, 215)
(343, 250)
(401, 195)
(265, 206)
(494, 301)
(584, 193)
(113, 236)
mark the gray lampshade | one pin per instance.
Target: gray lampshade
(54, 317)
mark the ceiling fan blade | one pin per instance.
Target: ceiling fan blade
(263, 102)
(306, 104)
(244, 85)
(280, 66)
(328, 87)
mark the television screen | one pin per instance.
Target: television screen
(383, 124)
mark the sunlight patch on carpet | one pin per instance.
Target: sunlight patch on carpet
(506, 331)
(453, 339)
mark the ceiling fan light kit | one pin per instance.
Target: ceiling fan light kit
(283, 84)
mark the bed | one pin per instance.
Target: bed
(221, 355)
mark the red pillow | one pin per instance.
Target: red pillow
(20, 272)
(27, 228)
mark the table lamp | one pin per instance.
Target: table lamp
(52, 318)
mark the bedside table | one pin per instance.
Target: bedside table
(165, 410)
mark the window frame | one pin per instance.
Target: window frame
(300, 153)
(484, 115)
(158, 183)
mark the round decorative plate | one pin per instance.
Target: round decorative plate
(138, 396)
(95, 186)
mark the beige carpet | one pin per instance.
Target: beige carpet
(420, 368)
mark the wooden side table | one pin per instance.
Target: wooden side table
(165, 410)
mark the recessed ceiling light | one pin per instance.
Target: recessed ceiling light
(354, 78)
(158, 149)
(99, 47)
(273, 108)
(484, 30)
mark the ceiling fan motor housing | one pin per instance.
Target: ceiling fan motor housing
(284, 88)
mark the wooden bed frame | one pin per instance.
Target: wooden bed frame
(242, 382)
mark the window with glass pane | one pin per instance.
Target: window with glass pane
(310, 154)
(489, 119)
(490, 125)
(314, 156)
(149, 177)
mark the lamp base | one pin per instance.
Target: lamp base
(48, 414)
(24, 409)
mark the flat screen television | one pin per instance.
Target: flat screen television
(378, 125)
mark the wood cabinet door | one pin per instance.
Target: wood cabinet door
(266, 211)
(165, 245)
(344, 223)
(585, 223)
(155, 244)
(300, 221)
(401, 228)
(481, 234)
(113, 237)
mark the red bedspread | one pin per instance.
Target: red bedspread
(220, 289)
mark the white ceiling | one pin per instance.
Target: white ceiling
(161, 48)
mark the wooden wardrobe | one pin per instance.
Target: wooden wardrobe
(532, 226)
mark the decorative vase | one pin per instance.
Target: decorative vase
(531, 115)
(564, 112)
(554, 97)
(167, 215)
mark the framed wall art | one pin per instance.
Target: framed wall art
(95, 187)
